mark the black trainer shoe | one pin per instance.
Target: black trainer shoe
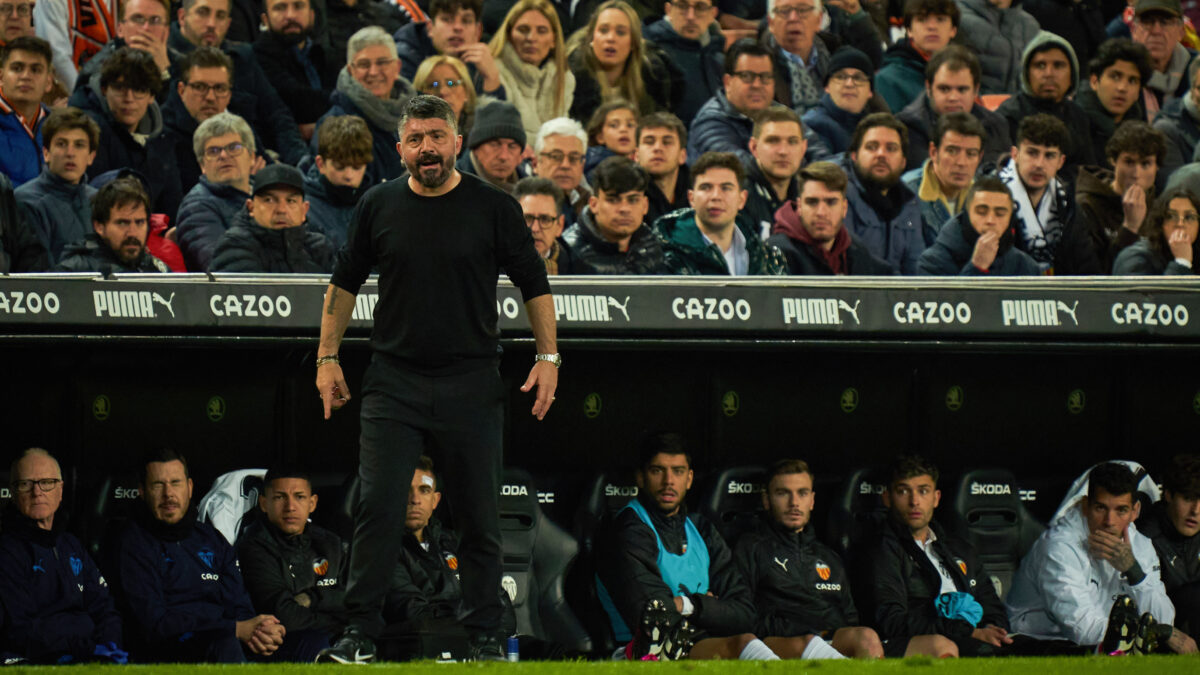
(352, 648)
(1150, 635)
(486, 648)
(1122, 627)
(679, 641)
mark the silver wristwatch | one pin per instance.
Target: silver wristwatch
(556, 359)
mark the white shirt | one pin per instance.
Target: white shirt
(927, 546)
(737, 258)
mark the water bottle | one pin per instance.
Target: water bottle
(513, 651)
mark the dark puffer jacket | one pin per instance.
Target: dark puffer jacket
(998, 36)
(662, 82)
(1141, 259)
(685, 250)
(330, 206)
(834, 125)
(283, 68)
(902, 77)
(20, 248)
(205, 214)
(94, 255)
(951, 254)
(181, 127)
(720, 127)
(59, 211)
(593, 254)
(250, 247)
(702, 62)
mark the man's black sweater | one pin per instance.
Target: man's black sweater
(438, 260)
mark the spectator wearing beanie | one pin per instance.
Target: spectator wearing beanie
(849, 88)
(496, 144)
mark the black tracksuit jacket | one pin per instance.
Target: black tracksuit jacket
(278, 569)
(799, 585)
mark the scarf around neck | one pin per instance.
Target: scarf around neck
(381, 113)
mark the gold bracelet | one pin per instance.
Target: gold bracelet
(332, 358)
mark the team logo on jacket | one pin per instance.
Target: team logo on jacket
(321, 566)
(76, 565)
(451, 561)
(962, 565)
(823, 570)
(206, 557)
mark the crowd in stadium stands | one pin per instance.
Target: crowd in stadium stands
(248, 576)
(963, 137)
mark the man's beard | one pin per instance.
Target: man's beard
(293, 39)
(884, 183)
(432, 179)
(124, 257)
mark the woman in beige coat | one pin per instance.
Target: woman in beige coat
(533, 63)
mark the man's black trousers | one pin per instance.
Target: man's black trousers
(458, 420)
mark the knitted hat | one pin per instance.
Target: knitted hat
(496, 120)
(849, 57)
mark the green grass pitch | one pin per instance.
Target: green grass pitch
(1153, 665)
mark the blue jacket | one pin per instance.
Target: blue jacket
(722, 128)
(934, 214)
(330, 206)
(704, 64)
(205, 214)
(57, 603)
(60, 212)
(181, 127)
(951, 254)
(178, 582)
(898, 241)
(385, 161)
(20, 153)
(834, 125)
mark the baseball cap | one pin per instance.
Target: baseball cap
(1171, 7)
(278, 174)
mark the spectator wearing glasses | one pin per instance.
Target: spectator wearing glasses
(39, 562)
(224, 146)
(558, 154)
(541, 201)
(1158, 24)
(690, 35)
(447, 78)
(532, 58)
(132, 134)
(16, 19)
(1168, 243)
(801, 59)
(204, 88)
(849, 87)
(453, 29)
(141, 24)
(725, 121)
(371, 88)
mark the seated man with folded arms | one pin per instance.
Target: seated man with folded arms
(1063, 595)
(800, 585)
(292, 568)
(41, 565)
(930, 593)
(669, 582)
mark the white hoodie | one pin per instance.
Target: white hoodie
(1062, 593)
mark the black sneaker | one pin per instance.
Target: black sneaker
(486, 648)
(1122, 627)
(1150, 635)
(679, 641)
(352, 648)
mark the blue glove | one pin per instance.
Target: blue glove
(961, 606)
(111, 651)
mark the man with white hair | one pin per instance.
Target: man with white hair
(371, 87)
(558, 154)
(41, 566)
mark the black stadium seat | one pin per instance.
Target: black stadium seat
(985, 506)
(856, 510)
(537, 556)
(732, 500)
(106, 502)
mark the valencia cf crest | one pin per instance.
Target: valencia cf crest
(962, 565)
(206, 557)
(452, 561)
(76, 565)
(823, 571)
(321, 566)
